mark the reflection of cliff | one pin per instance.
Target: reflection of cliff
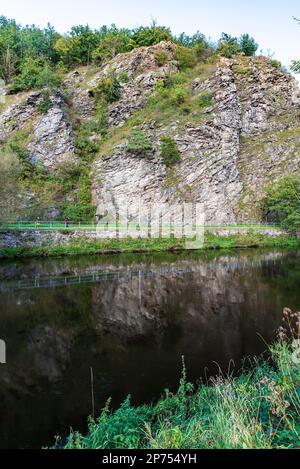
(132, 332)
(214, 307)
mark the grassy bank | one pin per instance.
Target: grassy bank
(85, 246)
(259, 409)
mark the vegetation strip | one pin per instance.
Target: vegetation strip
(258, 410)
(109, 246)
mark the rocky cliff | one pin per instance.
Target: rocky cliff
(235, 123)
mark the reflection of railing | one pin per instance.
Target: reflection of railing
(127, 275)
(94, 277)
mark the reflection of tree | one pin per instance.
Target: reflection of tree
(283, 278)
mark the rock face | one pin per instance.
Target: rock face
(53, 142)
(50, 135)
(228, 153)
(231, 148)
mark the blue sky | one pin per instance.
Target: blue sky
(269, 21)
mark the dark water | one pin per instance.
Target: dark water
(131, 319)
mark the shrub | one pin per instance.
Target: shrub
(205, 100)
(161, 58)
(80, 213)
(177, 95)
(123, 77)
(138, 143)
(149, 36)
(169, 151)
(100, 121)
(11, 199)
(276, 64)
(35, 74)
(185, 57)
(248, 45)
(282, 202)
(228, 46)
(18, 145)
(45, 103)
(108, 89)
(86, 147)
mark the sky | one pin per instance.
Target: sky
(269, 21)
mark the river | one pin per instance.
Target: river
(128, 320)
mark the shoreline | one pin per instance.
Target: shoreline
(85, 247)
(258, 409)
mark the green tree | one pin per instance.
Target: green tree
(282, 201)
(150, 35)
(228, 46)
(248, 45)
(11, 199)
(7, 65)
(35, 74)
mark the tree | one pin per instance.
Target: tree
(11, 199)
(112, 41)
(282, 201)
(198, 42)
(35, 74)
(228, 46)
(7, 65)
(248, 45)
(295, 66)
(150, 35)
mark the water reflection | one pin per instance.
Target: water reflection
(130, 318)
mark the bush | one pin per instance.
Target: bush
(276, 64)
(80, 213)
(161, 58)
(11, 196)
(108, 89)
(282, 202)
(169, 151)
(18, 145)
(138, 143)
(123, 77)
(86, 147)
(149, 36)
(185, 57)
(228, 46)
(35, 74)
(45, 104)
(205, 100)
(248, 45)
(259, 409)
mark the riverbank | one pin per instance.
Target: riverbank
(258, 410)
(88, 246)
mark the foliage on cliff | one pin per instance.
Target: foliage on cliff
(32, 57)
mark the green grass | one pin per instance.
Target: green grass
(84, 246)
(258, 410)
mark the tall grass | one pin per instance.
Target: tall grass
(260, 409)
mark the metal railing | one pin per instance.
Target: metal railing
(59, 225)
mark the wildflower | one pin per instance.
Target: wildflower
(265, 380)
